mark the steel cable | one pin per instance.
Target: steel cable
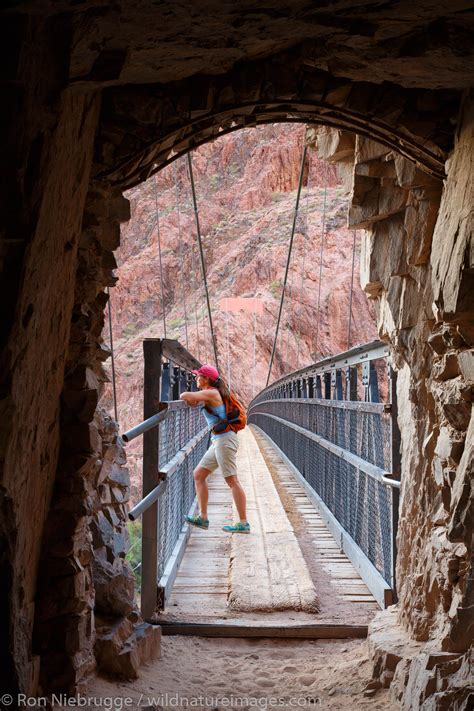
(203, 265)
(181, 255)
(323, 234)
(290, 247)
(351, 292)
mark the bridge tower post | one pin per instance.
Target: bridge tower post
(152, 351)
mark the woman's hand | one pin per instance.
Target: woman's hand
(191, 401)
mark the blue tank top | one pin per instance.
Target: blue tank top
(218, 412)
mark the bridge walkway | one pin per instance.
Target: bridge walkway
(287, 578)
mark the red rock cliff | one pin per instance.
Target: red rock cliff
(246, 189)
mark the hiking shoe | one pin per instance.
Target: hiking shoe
(198, 521)
(238, 527)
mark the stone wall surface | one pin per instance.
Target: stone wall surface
(84, 574)
(33, 359)
(417, 265)
(412, 44)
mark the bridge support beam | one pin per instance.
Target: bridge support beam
(151, 400)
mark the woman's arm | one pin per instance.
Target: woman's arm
(208, 397)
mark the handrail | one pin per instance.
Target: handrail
(357, 354)
(356, 405)
(147, 424)
(145, 503)
(165, 410)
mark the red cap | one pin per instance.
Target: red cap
(208, 371)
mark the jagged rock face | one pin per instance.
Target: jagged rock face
(246, 187)
(83, 573)
(424, 301)
(411, 44)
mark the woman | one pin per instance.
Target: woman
(222, 452)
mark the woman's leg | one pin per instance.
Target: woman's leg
(202, 491)
(238, 494)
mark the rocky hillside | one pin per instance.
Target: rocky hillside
(246, 189)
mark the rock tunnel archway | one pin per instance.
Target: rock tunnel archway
(403, 287)
(143, 128)
(68, 160)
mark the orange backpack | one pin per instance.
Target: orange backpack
(236, 414)
(235, 419)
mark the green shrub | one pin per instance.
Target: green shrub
(275, 287)
(134, 554)
(176, 323)
(129, 329)
(214, 181)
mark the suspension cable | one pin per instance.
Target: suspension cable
(323, 234)
(195, 308)
(290, 314)
(300, 182)
(195, 286)
(181, 255)
(351, 292)
(306, 229)
(155, 184)
(114, 389)
(203, 265)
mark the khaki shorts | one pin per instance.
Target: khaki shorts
(222, 453)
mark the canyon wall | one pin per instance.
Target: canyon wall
(246, 189)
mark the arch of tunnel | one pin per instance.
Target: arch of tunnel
(95, 106)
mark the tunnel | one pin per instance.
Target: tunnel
(98, 98)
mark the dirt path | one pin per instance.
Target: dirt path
(240, 673)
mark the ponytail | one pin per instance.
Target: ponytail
(222, 387)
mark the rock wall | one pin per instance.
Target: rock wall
(87, 616)
(46, 159)
(417, 265)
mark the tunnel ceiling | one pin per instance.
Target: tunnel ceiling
(414, 44)
(144, 127)
(176, 74)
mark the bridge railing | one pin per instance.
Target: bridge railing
(174, 440)
(335, 424)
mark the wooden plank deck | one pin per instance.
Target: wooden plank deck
(200, 592)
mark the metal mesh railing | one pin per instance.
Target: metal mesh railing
(178, 491)
(178, 429)
(364, 429)
(182, 442)
(342, 446)
(360, 503)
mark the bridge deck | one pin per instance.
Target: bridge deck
(250, 580)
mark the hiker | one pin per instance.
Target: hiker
(212, 396)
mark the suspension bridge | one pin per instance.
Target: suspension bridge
(319, 460)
